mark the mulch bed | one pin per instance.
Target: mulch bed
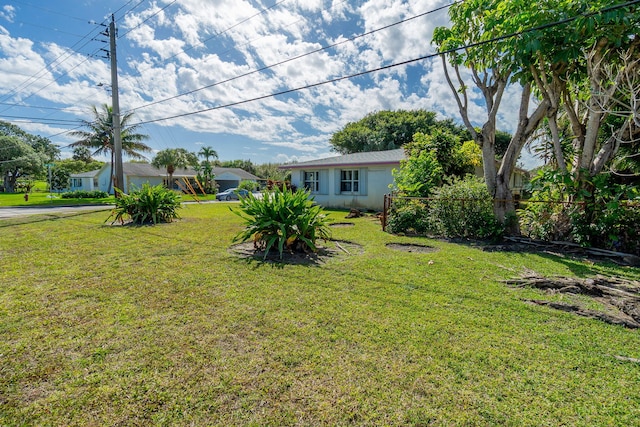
(411, 247)
(328, 250)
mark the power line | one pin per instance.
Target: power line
(410, 61)
(203, 42)
(38, 75)
(39, 107)
(44, 9)
(266, 67)
(148, 18)
(49, 28)
(35, 77)
(39, 119)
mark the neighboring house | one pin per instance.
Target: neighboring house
(516, 182)
(84, 181)
(137, 174)
(230, 177)
(359, 180)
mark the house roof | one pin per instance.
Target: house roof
(387, 157)
(146, 169)
(90, 174)
(243, 174)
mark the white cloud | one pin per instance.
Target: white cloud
(201, 48)
(8, 13)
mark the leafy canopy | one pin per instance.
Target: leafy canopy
(388, 130)
(18, 159)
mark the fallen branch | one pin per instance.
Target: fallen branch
(339, 246)
(613, 320)
(620, 294)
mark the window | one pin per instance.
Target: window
(76, 182)
(349, 181)
(95, 182)
(312, 181)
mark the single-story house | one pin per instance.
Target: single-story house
(137, 174)
(358, 180)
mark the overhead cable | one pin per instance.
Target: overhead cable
(398, 64)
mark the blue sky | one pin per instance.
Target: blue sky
(51, 67)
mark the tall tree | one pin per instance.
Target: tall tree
(245, 165)
(38, 143)
(388, 130)
(18, 159)
(82, 154)
(590, 68)
(476, 41)
(205, 169)
(564, 61)
(173, 158)
(98, 136)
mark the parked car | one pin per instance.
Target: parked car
(231, 194)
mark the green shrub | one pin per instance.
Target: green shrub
(408, 216)
(604, 214)
(282, 219)
(464, 208)
(248, 185)
(147, 205)
(83, 194)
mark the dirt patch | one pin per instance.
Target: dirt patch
(342, 224)
(329, 250)
(411, 247)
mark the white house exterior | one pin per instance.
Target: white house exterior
(88, 181)
(137, 174)
(358, 180)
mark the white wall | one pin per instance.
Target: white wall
(374, 184)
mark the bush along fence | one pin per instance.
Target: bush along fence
(448, 217)
(614, 226)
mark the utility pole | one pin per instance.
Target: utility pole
(118, 181)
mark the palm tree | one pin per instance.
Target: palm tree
(207, 152)
(207, 167)
(173, 158)
(99, 136)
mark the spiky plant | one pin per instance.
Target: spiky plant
(283, 219)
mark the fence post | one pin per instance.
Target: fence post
(385, 211)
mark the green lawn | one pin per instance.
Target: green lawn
(163, 325)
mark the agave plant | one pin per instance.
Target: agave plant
(147, 205)
(283, 219)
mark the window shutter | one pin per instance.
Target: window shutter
(324, 182)
(364, 182)
(337, 181)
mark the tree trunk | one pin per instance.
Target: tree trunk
(503, 199)
(557, 146)
(111, 174)
(9, 182)
(488, 146)
(170, 170)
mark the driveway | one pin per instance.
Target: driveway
(16, 212)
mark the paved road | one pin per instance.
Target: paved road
(15, 212)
